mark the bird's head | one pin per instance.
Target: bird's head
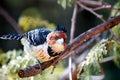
(57, 39)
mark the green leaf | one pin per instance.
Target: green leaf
(90, 65)
(115, 12)
(63, 3)
(114, 49)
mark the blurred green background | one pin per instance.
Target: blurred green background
(30, 14)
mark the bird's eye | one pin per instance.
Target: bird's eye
(56, 37)
(52, 38)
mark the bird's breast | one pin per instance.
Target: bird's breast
(40, 52)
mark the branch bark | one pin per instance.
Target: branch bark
(72, 45)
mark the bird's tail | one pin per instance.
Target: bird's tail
(12, 37)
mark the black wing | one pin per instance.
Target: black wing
(37, 36)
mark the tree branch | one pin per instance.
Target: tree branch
(91, 3)
(72, 45)
(73, 22)
(90, 10)
(10, 20)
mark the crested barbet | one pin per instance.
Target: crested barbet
(43, 44)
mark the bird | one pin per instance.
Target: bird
(41, 43)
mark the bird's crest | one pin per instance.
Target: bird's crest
(60, 28)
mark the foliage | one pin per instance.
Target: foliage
(12, 61)
(91, 64)
(116, 29)
(65, 3)
(31, 18)
(114, 50)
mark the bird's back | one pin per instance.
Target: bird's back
(37, 36)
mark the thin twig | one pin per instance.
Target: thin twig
(98, 77)
(107, 59)
(91, 3)
(65, 76)
(103, 7)
(106, 6)
(10, 20)
(74, 44)
(90, 10)
(73, 21)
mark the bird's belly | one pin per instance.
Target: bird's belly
(42, 55)
(39, 52)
